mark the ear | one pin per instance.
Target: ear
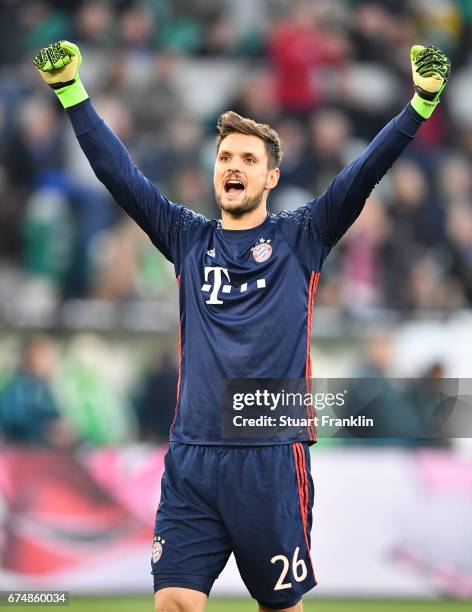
(272, 178)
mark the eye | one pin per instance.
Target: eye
(250, 160)
(224, 157)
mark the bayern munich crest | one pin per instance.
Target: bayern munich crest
(157, 548)
(262, 251)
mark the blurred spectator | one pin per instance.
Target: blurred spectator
(10, 32)
(137, 26)
(256, 97)
(115, 259)
(156, 399)
(297, 165)
(455, 178)
(375, 26)
(250, 21)
(378, 355)
(191, 185)
(29, 412)
(150, 79)
(364, 270)
(299, 48)
(426, 291)
(327, 147)
(416, 235)
(93, 386)
(425, 395)
(125, 265)
(94, 23)
(37, 146)
(459, 241)
(10, 219)
(439, 21)
(374, 394)
(44, 21)
(414, 208)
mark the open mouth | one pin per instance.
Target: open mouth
(233, 187)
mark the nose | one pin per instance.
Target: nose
(235, 165)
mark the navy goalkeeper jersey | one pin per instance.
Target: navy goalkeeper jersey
(246, 296)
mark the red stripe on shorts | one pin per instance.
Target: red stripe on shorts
(303, 492)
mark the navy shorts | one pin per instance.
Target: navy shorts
(253, 501)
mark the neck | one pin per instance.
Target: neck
(247, 221)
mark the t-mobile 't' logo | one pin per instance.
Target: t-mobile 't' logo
(219, 282)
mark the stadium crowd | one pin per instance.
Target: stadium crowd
(327, 74)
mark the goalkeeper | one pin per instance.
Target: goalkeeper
(247, 285)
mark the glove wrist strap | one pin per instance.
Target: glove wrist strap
(423, 107)
(71, 94)
(426, 95)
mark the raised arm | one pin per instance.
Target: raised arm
(112, 165)
(339, 206)
(58, 66)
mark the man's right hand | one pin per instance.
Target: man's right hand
(58, 65)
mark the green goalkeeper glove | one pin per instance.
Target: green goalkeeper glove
(431, 70)
(58, 64)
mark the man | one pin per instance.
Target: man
(29, 413)
(247, 286)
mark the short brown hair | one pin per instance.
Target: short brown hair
(232, 123)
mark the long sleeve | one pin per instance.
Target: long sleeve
(338, 207)
(313, 229)
(162, 220)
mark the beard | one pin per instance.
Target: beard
(246, 206)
